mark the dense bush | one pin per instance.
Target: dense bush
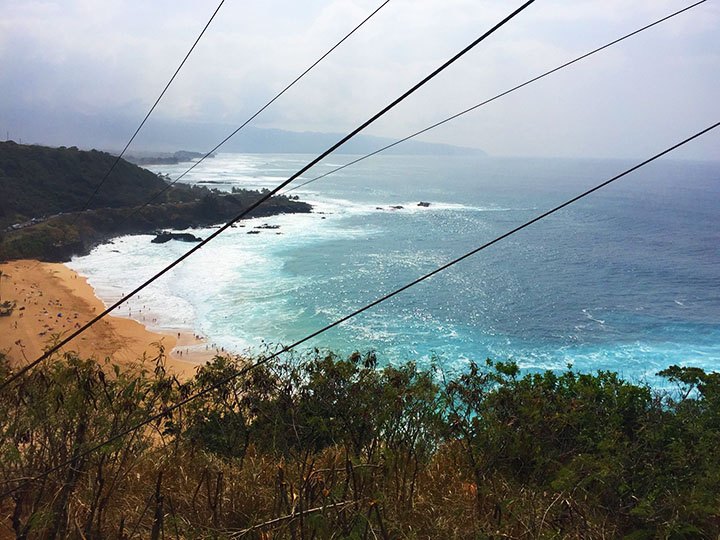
(617, 447)
(322, 446)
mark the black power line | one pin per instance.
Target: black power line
(355, 313)
(119, 157)
(498, 96)
(265, 197)
(260, 110)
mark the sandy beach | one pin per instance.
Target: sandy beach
(52, 301)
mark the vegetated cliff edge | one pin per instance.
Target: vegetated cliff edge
(44, 191)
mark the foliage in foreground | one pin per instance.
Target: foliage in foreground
(324, 447)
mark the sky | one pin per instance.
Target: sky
(71, 64)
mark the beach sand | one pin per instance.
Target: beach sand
(52, 300)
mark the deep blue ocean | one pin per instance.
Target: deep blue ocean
(627, 279)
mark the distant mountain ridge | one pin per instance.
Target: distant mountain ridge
(167, 136)
(278, 141)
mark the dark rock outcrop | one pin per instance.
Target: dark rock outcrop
(164, 236)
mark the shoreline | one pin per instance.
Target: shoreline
(52, 300)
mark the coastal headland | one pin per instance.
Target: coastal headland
(55, 205)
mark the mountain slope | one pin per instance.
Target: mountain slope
(37, 181)
(42, 191)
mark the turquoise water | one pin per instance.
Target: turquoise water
(627, 279)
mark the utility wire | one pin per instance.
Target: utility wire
(260, 110)
(119, 157)
(498, 96)
(355, 313)
(264, 198)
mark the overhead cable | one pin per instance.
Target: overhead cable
(50, 351)
(168, 410)
(119, 157)
(256, 113)
(498, 96)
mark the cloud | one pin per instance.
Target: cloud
(96, 58)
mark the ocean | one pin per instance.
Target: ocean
(627, 279)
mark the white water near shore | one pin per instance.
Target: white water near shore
(571, 290)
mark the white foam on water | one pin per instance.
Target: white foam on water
(347, 207)
(244, 288)
(234, 290)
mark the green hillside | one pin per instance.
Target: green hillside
(38, 181)
(44, 189)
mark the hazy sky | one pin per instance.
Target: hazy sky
(109, 60)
